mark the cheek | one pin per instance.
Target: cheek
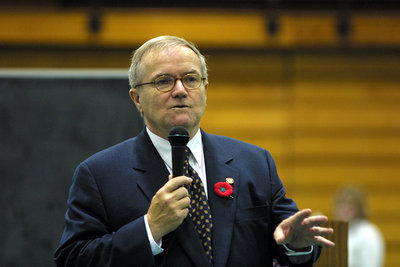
(150, 102)
(202, 103)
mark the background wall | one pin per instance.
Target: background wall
(330, 119)
(320, 92)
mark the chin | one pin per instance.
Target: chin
(183, 124)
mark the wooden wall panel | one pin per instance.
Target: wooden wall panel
(329, 120)
(355, 113)
(224, 28)
(366, 29)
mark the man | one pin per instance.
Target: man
(125, 209)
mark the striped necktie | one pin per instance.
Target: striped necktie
(199, 210)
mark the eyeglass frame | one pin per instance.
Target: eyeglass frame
(202, 79)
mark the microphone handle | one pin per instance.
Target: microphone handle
(178, 159)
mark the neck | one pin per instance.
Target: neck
(164, 134)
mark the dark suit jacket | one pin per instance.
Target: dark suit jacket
(112, 190)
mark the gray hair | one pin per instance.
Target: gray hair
(135, 70)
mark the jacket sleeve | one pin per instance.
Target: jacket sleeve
(283, 207)
(89, 240)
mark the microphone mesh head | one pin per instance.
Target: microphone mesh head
(178, 136)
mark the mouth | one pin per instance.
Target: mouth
(180, 106)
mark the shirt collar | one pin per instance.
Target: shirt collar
(164, 148)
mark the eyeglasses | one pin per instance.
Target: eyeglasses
(165, 83)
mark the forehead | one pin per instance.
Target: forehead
(170, 60)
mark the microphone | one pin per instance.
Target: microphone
(178, 138)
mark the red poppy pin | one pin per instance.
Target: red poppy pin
(223, 189)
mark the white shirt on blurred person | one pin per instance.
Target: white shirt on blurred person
(366, 246)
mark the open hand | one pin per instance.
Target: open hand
(302, 230)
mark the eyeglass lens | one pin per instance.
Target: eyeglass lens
(166, 82)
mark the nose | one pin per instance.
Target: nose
(179, 90)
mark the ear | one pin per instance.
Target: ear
(205, 88)
(134, 94)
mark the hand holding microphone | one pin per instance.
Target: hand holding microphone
(169, 206)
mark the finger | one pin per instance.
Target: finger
(279, 236)
(314, 220)
(323, 231)
(183, 213)
(181, 192)
(177, 182)
(323, 242)
(183, 203)
(299, 216)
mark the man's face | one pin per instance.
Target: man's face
(178, 107)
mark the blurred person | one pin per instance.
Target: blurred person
(366, 247)
(125, 209)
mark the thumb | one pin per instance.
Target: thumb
(279, 236)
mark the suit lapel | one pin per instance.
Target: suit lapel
(148, 162)
(222, 209)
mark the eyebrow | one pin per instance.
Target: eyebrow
(192, 71)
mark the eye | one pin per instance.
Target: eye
(191, 79)
(163, 82)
